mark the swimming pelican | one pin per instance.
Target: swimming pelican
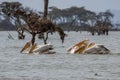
(97, 49)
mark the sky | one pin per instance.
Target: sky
(93, 5)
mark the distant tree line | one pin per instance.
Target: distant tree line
(74, 18)
(79, 18)
(6, 25)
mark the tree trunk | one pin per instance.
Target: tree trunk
(45, 8)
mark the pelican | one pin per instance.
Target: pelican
(79, 47)
(97, 49)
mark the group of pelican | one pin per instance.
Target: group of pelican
(82, 47)
(87, 47)
(41, 49)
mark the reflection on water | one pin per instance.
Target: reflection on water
(59, 66)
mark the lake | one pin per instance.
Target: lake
(61, 65)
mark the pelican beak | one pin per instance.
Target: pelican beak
(27, 45)
(32, 48)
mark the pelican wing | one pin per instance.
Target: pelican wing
(81, 43)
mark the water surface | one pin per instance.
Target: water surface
(62, 65)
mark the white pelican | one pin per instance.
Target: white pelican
(97, 49)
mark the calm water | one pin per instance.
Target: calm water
(59, 66)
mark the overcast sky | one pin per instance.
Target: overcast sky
(94, 5)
